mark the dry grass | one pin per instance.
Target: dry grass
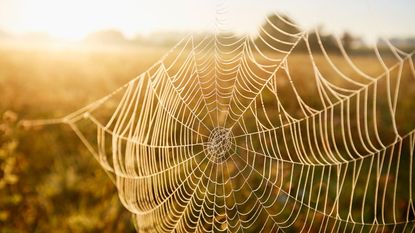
(60, 187)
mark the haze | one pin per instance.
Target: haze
(73, 19)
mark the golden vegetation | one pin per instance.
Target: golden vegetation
(48, 181)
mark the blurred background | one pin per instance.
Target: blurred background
(58, 55)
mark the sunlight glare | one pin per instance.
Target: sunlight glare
(73, 20)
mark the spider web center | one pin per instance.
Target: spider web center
(220, 142)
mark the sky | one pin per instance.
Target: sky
(74, 19)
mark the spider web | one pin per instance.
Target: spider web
(236, 134)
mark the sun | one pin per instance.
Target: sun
(73, 20)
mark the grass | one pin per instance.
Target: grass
(60, 187)
(54, 184)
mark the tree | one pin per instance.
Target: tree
(106, 37)
(276, 32)
(347, 40)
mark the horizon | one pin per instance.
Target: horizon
(75, 20)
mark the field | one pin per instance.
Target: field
(52, 183)
(59, 186)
